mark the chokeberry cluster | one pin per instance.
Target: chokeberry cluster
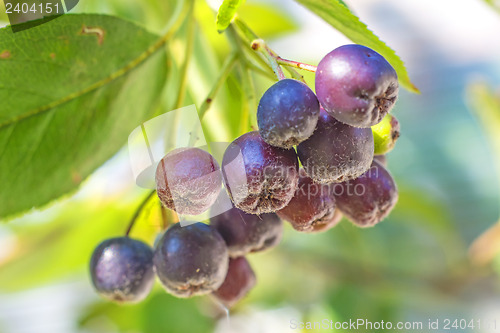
(339, 135)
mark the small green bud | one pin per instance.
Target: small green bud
(385, 134)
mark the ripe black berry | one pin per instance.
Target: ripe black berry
(287, 113)
(336, 151)
(240, 279)
(368, 199)
(313, 205)
(191, 260)
(259, 178)
(356, 85)
(245, 233)
(188, 180)
(122, 269)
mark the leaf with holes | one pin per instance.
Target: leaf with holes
(341, 18)
(71, 90)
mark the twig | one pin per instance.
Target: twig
(188, 52)
(260, 46)
(138, 212)
(224, 73)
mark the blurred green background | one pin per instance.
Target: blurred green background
(414, 266)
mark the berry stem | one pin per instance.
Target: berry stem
(247, 84)
(249, 95)
(290, 65)
(224, 73)
(164, 217)
(296, 75)
(190, 34)
(260, 46)
(138, 212)
(258, 70)
(168, 217)
(295, 64)
(243, 43)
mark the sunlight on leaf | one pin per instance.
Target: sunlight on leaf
(272, 21)
(226, 13)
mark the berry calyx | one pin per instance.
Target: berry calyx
(245, 233)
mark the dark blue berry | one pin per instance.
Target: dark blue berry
(122, 269)
(191, 260)
(287, 113)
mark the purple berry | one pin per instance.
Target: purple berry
(367, 200)
(356, 85)
(312, 205)
(245, 233)
(122, 269)
(191, 260)
(188, 180)
(287, 113)
(240, 279)
(259, 178)
(328, 224)
(336, 152)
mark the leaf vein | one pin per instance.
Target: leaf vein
(120, 72)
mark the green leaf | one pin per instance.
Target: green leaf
(272, 21)
(342, 19)
(226, 13)
(343, 3)
(494, 4)
(72, 90)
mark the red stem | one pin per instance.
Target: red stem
(296, 64)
